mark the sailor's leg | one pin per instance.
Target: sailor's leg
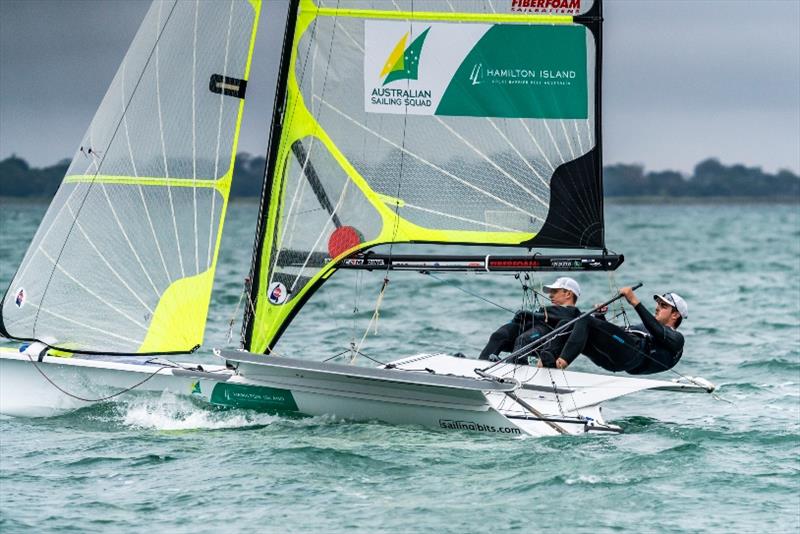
(572, 342)
(528, 337)
(612, 348)
(502, 340)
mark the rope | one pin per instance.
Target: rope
(373, 321)
(619, 305)
(337, 355)
(357, 281)
(236, 312)
(101, 399)
(571, 395)
(350, 350)
(555, 391)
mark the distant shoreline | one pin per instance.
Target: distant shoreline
(633, 200)
(710, 183)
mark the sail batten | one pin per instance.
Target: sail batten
(454, 122)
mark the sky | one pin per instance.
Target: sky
(684, 80)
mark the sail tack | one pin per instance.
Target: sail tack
(124, 259)
(443, 122)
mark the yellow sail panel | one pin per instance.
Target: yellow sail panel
(180, 317)
(124, 259)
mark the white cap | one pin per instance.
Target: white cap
(676, 301)
(566, 283)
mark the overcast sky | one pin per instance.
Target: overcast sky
(683, 79)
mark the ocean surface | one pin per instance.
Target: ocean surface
(685, 462)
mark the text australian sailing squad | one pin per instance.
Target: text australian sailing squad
(401, 97)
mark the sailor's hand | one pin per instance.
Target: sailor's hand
(539, 364)
(629, 295)
(561, 363)
(601, 309)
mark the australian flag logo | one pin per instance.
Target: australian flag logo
(19, 300)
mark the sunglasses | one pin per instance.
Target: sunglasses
(670, 302)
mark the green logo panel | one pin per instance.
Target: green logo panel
(515, 71)
(259, 398)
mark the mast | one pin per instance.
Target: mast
(278, 108)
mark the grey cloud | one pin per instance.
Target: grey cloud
(683, 79)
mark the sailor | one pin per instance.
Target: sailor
(526, 327)
(653, 346)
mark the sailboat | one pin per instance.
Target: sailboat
(458, 122)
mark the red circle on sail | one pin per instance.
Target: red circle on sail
(343, 239)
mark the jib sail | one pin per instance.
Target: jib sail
(457, 122)
(124, 259)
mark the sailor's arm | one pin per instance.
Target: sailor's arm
(654, 328)
(629, 295)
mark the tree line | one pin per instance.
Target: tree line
(710, 178)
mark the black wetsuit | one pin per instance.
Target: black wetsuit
(642, 350)
(526, 327)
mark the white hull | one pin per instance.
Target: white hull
(452, 398)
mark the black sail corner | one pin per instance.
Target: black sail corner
(575, 219)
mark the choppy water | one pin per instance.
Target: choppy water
(685, 463)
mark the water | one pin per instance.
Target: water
(685, 463)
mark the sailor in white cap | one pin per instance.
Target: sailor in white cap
(564, 290)
(653, 346)
(526, 327)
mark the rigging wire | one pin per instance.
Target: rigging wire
(357, 286)
(571, 393)
(236, 312)
(613, 287)
(530, 297)
(350, 350)
(396, 227)
(555, 391)
(468, 292)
